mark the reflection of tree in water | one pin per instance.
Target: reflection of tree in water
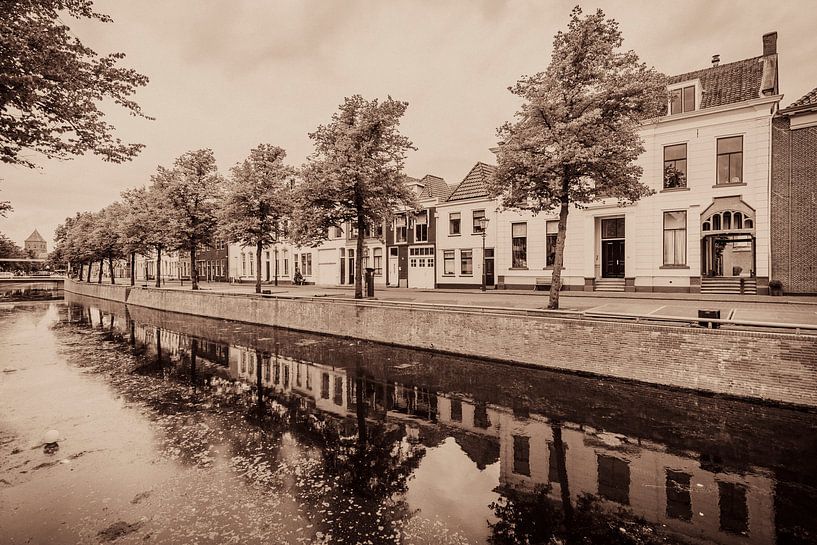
(355, 485)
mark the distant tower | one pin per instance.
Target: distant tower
(37, 244)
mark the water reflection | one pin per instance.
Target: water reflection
(570, 459)
(30, 291)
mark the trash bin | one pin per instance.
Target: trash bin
(369, 282)
(709, 313)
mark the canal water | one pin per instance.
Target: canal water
(29, 290)
(178, 429)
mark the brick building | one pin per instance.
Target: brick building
(794, 195)
(36, 244)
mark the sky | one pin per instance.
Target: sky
(229, 75)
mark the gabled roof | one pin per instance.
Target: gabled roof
(474, 185)
(809, 99)
(732, 82)
(434, 186)
(35, 237)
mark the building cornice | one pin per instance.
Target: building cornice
(754, 103)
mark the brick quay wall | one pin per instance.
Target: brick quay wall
(774, 367)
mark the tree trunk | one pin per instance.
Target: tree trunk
(110, 269)
(359, 260)
(133, 268)
(194, 273)
(81, 270)
(360, 406)
(90, 266)
(561, 469)
(101, 266)
(158, 266)
(258, 248)
(558, 262)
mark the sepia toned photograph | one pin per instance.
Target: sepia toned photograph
(428, 272)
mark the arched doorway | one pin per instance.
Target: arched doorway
(728, 239)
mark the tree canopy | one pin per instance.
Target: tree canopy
(52, 85)
(575, 139)
(191, 191)
(355, 172)
(258, 200)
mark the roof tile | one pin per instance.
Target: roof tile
(728, 83)
(474, 185)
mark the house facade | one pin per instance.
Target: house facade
(212, 262)
(706, 228)
(276, 263)
(794, 196)
(460, 233)
(412, 235)
(36, 245)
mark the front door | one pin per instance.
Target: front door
(489, 266)
(351, 266)
(394, 279)
(612, 259)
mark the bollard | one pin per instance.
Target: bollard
(709, 313)
(369, 282)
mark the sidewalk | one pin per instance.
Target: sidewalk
(755, 308)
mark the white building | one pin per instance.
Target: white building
(706, 228)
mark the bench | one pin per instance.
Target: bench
(542, 283)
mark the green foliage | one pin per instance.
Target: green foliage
(143, 224)
(51, 85)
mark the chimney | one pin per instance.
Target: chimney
(716, 59)
(770, 44)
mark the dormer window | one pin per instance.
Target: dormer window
(684, 96)
(682, 99)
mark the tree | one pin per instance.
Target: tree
(191, 189)
(575, 139)
(144, 227)
(106, 238)
(355, 173)
(257, 202)
(51, 85)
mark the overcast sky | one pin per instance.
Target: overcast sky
(229, 75)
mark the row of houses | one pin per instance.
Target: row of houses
(735, 185)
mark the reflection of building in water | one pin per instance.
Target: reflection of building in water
(662, 487)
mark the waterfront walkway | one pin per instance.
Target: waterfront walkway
(753, 308)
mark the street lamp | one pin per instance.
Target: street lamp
(483, 225)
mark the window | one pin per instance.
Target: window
(551, 232)
(421, 227)
(377, 231)
(454, 223)
(521, 455)
(675, 166)
(730, 160)
(324, 385)
(734, 513)
(675, 238)
(682, 100)
(286, 264)
(308, 379)
(306, 264)
(337, 398)
(277, 373)
(448, 262)
(377, 256)
(481, 419)
(519, 245)
(466, 262)
(456, 410)
(614, 479)
(477, 215)
(679, 502)
(400, 228)
(338, 232)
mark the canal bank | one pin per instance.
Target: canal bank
(775, 367)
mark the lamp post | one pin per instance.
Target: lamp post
(483, 225)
